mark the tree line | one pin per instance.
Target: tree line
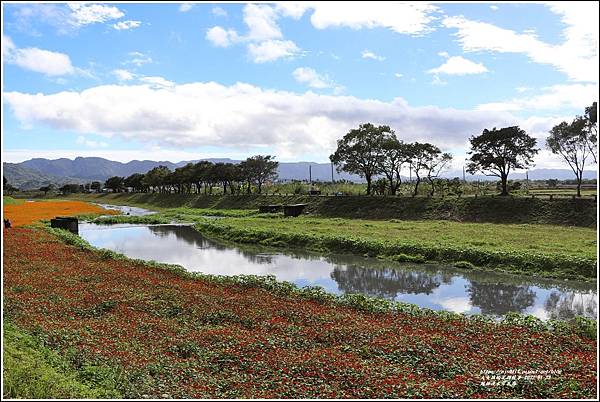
(375, 151)
(201, 177)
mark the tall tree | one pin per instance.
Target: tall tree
(570, 141)
(361, 152)
(417, 155)
(395, 154)
(115, 183)
(260, 169)
(498, 151)
(591, 118)
(135, 181)
(435, 164)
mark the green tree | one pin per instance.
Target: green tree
(426, 161)
(259, 169)
(570, 141)
(156, 178)
(395, 154)
(71, 188)
(361, 151)
(115, 183)
(135, 181)
(498, 151)
(47, 188)
(591, 118)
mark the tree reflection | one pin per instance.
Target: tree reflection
(569, 304)
(386, 282)
(194, 238)
(499, 298)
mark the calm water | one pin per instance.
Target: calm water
(434, 286)
(127, 210)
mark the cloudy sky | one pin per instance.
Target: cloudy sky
(187, 81)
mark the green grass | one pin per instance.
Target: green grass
(6, 200)
(552, 251)
(564, 211)
(33, 371)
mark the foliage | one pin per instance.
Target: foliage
(575, 143)
(361, 151)
(33, 371)
(498, 151)
(115, 183)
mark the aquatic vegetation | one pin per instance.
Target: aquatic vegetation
(173, 334)
(27, 213)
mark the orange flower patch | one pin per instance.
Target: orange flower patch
(30, 212)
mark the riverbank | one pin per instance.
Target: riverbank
(539, 250)
(168, 334)
(518, 210)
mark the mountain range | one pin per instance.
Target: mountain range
(37, 172)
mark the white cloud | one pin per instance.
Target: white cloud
(124, 25)
(494, 8)
(308, 76)
(398, 75)
(138, 59)
(271, 50)
(576, 56)
(65, 18)
(241, 116)
(219, 12)
(264, 38)
(403, 18)
(262, 22)
(38, 60)
(81, 140)
(185, 7)
(220, 37)
(367, 54)
(123, 75)
(84, 14)
(157, 82)
(458, 65)
(556, 97)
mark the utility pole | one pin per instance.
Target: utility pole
(464, 178)
(527, 180)
(410, 174)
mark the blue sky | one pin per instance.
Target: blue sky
(186, 81)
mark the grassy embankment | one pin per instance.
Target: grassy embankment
(542, 250)
(567, 212)
(163, 332)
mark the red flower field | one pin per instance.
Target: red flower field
(190, 338)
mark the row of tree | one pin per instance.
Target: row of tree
(371, 151)
(254, 172)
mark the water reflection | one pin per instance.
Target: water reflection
(434, 286)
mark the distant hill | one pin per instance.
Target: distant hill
(37, 172)
(28, 179)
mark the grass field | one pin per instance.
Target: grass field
(6, 200)
(167, 334)
(34, 371)
(550, 251)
